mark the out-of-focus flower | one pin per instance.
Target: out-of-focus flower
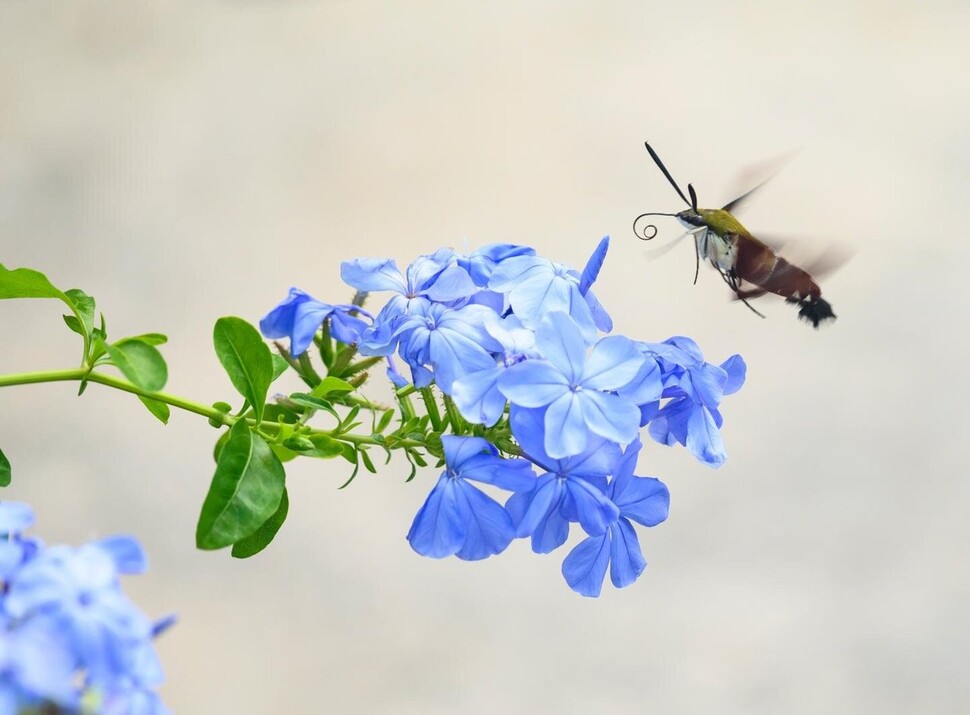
(68, 634)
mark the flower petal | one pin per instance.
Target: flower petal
(585, 567)
(593, 265)
(15, 517)
(551, 533)
(532, 383)
(626, 558)
(454, 355)
(646, 500)
(373, 275)
(566, 432)
(594, 509)
(441, 523)
(489, 526)
(704, 438)
(453, 283)
(560, 341)
(736, 369)
(610, 416)
(477, 396)
(544, 498)
(612, 363)
(126, 552)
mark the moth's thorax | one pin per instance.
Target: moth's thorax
(717, 220)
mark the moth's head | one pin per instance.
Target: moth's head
(690, 217)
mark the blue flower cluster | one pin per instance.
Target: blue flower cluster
(69, 637)
(519, 342)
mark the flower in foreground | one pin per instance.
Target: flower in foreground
(519, 346)
(578, 392)
(644, 500)
(459, 519)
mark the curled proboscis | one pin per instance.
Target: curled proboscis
(647, 232)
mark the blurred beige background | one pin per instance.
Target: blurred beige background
(187, 160)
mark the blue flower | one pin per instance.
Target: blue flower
(459, 519)
(15, 517)
(78, 590)
(477, 394)
(396, 378)
(570, 489)
(449, 340)
(695, 388)
(434, 278)
(579, 392)
(299, 316)
(642, 499)
(68, 634)
(535, 287)
(481, 263)
(37, 664)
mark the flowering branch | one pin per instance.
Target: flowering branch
(522, 390)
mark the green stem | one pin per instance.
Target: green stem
(325, 344)
(431, 406)
(458, 424)
(77, 374)
(31, 378)
(293, 363)
(404, 402)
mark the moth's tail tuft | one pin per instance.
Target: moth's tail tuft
(816, 310)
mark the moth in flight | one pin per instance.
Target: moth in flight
(738, 256)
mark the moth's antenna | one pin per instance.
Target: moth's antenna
(693, 196)
(660, 165)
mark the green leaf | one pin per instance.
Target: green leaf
(353, 474)
(330, 385)
(261, 538)
(246, 359)
(98, 347)
(157, 408)
(279, 366)
(219, 445)
(284, 454)
(414, 467)
(368, 464)
(74, 324)
(246, 490)
(314, 403)
(280, 413)
(298, 443)
(150, 338)
(349, 452)
(84, 306)
(385, 421)
(5, 475)
(141, 363)
(325, 447)
(26, 283)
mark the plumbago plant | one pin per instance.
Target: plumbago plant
(513, 383)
